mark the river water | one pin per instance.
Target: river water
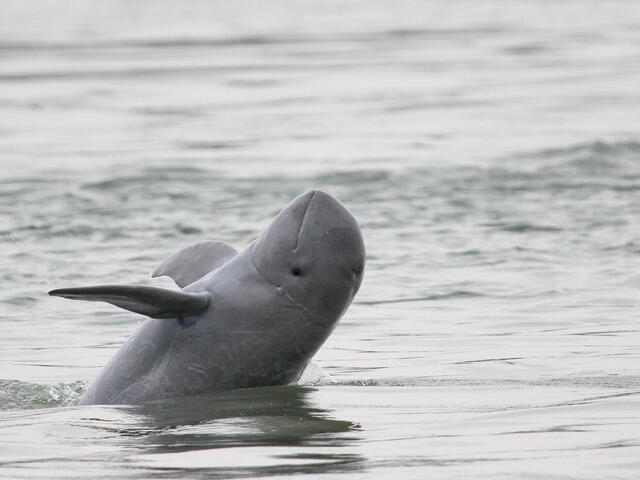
(490, 151)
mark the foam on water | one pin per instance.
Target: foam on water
(15, 394)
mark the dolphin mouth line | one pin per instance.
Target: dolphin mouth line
(283, 292)
(304, 219)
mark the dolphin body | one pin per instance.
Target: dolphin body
(247, 319)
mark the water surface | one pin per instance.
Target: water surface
(490, 151)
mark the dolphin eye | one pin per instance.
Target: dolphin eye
(296, 270)
(358, 270)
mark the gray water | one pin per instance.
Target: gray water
(490, 151)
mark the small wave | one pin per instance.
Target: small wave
(222, 145)
(631, 246)
(421, 33)
(21, 300)
(15, 394)
(426, 298)
(353, 178)
(409, 382)
(151, 43)
(595, 147)
(593, 158)
(187, 229)
(214, 42)
(150, 177)
(614, 381)
(528, 48)
(523, 227)
(314, 374)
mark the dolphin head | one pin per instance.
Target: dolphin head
(313, 252)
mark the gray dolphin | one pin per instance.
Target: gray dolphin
(241, 320)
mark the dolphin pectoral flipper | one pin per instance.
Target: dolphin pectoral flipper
(150, 301)
(194, 262)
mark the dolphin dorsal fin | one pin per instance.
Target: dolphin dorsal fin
(150, 301)
(194, 262)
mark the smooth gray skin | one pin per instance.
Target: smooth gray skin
(254, 321)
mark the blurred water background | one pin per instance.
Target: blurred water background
(490, 151)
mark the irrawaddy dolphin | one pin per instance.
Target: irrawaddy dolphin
(240, 320)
